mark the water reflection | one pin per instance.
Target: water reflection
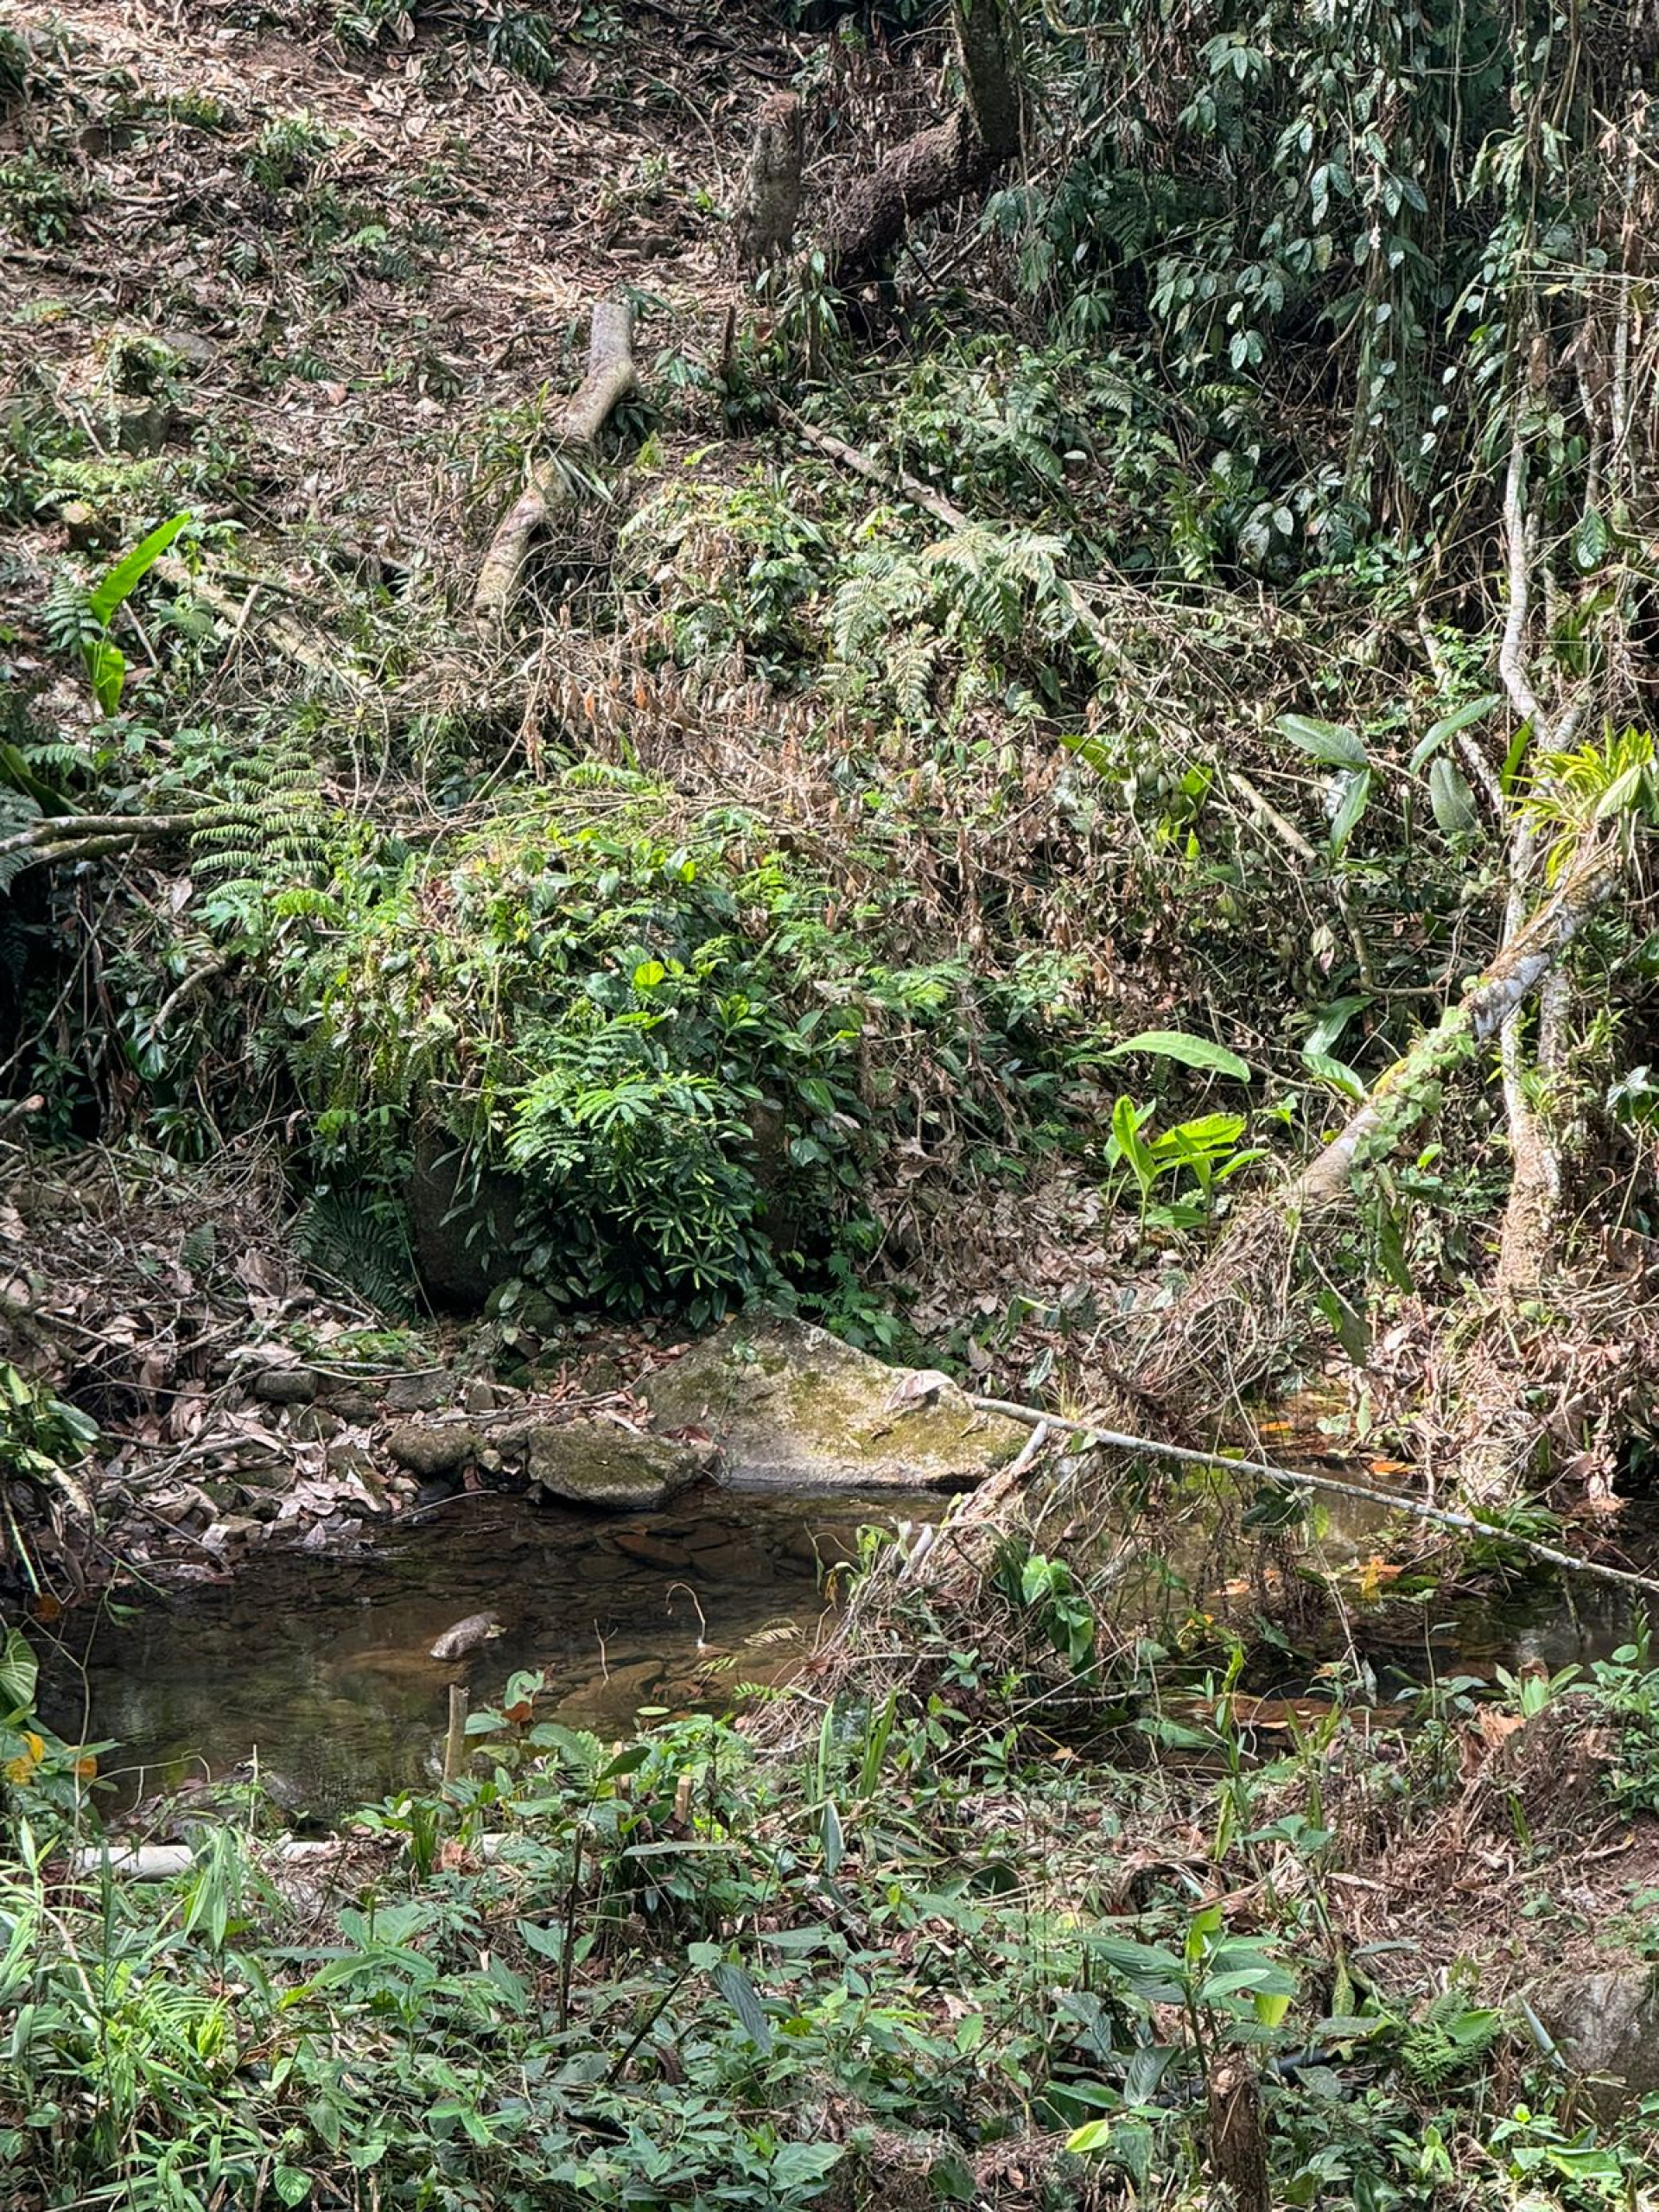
(319, 1669)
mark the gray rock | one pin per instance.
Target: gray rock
(418, 1394)
(351, 1402)
(429, 1450)
(596, 1464)
(313, 1424)
(1608, 2024)
(285, 1386)
(795, 1409)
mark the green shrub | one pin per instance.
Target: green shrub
(686, 1045)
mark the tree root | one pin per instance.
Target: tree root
(611, 376)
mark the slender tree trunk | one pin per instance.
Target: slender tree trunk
(1224, 1336)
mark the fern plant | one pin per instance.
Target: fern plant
(1450, 2038)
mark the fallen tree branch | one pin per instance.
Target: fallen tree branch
(611, 376)
(82, 836)
(952, 160)
(1114, 1440)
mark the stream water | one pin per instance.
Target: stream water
(320, 1669)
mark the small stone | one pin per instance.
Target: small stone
(480, 1397)
(285, 1386)
(197, 351)
(144, 428)
(349, 1455)
(354, 1405)
(313, 1424)
(431, 1451)
(419, 1394)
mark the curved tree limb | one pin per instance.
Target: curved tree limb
(1226, 1332)
(952, 160)
(1302, 1478)
(611, 376)
(85, 837)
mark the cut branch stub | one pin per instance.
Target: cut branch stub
(766, 216)
(611, 376)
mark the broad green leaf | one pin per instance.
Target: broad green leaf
(106, 672)
(128, 574)
(1131, 1145)
(1449, 725)
(1192, 1052)
(1093, 2135)
(19, 1672)
(739, 1992)
(1590, 539)
(1333, 743)
(1271, 2006)
(648, 974)
(546, 1942)
(1235, 1984)
(16, 772)
(830, 1831)
(1356, 796)
(1337, 1073)
(1586, 2162)
(1333, 1019)
(1151, 1972)
(1453, 803)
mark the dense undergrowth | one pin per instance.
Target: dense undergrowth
(1022, 1930)
(949, 888)
(915, 824)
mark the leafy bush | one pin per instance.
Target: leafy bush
(686, 1045)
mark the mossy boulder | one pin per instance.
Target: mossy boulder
(793, 1408)
(1606, 2027)
(600, 1465)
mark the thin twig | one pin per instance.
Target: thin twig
(1300, 1478)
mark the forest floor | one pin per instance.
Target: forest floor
(319, 284)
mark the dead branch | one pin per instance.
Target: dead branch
(85, 836)
(611, 376)
(1112, 1439)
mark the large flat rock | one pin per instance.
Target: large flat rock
(793, 1408)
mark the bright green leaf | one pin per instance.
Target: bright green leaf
(1192, 1052)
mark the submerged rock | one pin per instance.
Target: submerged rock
(793, 1408)
(477, 1630)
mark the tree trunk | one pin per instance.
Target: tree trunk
(765, 222)
(952, 160)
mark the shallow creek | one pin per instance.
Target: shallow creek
(319, 1668)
